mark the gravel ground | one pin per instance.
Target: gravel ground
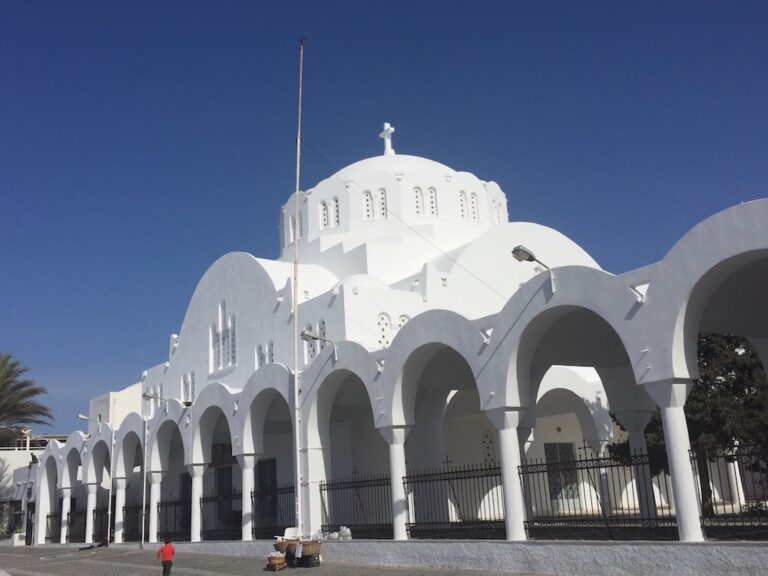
(45, 561)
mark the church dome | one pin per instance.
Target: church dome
(395, 164)
(388, 201)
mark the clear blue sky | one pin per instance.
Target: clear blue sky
(139, 141)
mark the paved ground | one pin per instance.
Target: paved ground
(42, 561)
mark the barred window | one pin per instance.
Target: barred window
(418, 201)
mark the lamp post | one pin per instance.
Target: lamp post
(311, 336)
(111, 469)
(523, 254)
(144, 396)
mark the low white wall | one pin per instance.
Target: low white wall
(551, 558)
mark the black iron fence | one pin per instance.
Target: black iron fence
(11, 517)
(76, 526)
(598, 499)
(221, 516)
(363, 504)
(100, 518)
(732, 486)
(132, 523)
(462, 502)
(174, 520)
(274, 510)
(53, 528)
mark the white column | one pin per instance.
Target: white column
(42, 504)
(506, 420)
(247, 462)
(120, 484)
(196, 471)
(735, 486)
(395, 437)
(523, 434)
(314, 475)
(90, 506)
(154, 501)
(66, 494)
(670, 396)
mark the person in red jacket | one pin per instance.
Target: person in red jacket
(165, 554)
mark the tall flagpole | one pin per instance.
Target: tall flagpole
(295, 301)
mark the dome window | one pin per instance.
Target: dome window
(367, 205)
(463, 205)
(497, 211)
(323, 215)
(418, 201)
(432, 193)
(381, 204)
(385, 330)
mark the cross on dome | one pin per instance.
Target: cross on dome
(386, 135)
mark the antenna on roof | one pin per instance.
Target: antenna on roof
(295, 311)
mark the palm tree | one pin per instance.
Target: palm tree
(18, 403)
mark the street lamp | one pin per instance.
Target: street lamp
(523, 254)
(145, 396)
(111, 469)
(311, 336)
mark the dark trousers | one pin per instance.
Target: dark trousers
(167, 567)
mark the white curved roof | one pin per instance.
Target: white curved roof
(394, 164)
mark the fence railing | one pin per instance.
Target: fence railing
(221, 516)
(732, 486)
(598, 499)
(462, 502)
(11, 516)
(53, 528)
(100, 518)
(274, 510)
(76, 526)
(132, 523)
(363, 504)
(174, 519)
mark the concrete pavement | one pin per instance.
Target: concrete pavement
(122, 561)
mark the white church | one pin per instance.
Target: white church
(443, 348)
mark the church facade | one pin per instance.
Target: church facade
(434, 332)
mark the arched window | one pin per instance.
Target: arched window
(336, 215)
(367, 205)
(270, 352)
(311, 345)
(323, 215)
(432, 193)
(188, 387)
(292, 229)
(215, 349)
(418, 202)
(473, 212)
(385, 330)
(381, 204)
(232, 341)
(223, 340)
(463, 205)
(259, 356)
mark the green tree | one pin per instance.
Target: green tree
(728, 404)
(19, 405)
